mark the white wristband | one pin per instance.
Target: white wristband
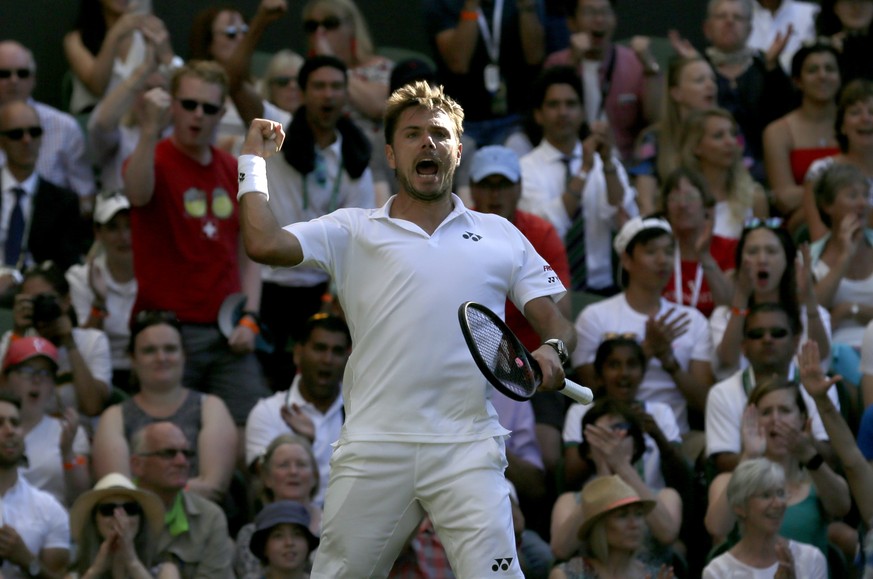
(252, 176)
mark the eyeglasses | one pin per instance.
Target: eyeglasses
(191, 105)
(758, 333)
(18, 134)
(152, 317)
(769, 223)
(108, 509)
(171, 453)
(232, 31)
(329, 23)
(21, 73)
(35, 374)
(283, 81)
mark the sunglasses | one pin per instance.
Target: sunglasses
(758, 333)
(620, 336)
(171, 453)
(18, 134)
(191, 105)
(35, 374)
(21, 73)
(769, 223)
(329, 23)
(232, 31)
(108, 509)
(283, 81)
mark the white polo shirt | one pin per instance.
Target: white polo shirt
(410, 376)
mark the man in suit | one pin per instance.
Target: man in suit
(30, 203)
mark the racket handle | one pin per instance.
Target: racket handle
(577, 392)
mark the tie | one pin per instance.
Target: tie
(15, 232)
(574, 239)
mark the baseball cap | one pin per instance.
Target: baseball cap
(636, 226)
(24, 349)
(108, 204)
(495, 160)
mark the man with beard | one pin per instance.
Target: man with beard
(420, 435)
(34, 527)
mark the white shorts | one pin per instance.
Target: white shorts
(379, 492)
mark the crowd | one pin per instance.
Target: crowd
(189, 390)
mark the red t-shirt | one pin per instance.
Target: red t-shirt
(723, 250)
(186, 238)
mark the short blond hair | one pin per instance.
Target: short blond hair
(421, 94)
(206, 70)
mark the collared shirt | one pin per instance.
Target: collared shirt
(8, 183)
(543, 177)
(265, 423)
(765, 25)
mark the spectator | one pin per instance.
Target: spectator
(578, 185)
(675, 338)
(117, 537)
(690, 86)
(63, 158)
(622, 84)
(288, 472)
(103, 291)
(758, 494)
(767, 270)
(794, 141)
(280, 83)
(709, 145)
(42, 308)
(158, 363)
(108, 43)
(194, 535)
(313, 406)
(57, 448)
(185, 232)
(847, 23)
(35, 536)
(701, 257)
(791, 21)
(283, 541)
(611, 522)
(43, 218)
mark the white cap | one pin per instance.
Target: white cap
(636, 226)
(108, 204)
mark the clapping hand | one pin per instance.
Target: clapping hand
(298, 421)
(771, 58)
(754, 441)
(812, 376)
(614, 448)
(786, 560)
(662, 331)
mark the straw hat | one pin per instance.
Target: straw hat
(113, 485)
(604, 495)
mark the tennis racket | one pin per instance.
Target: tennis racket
(503, 359)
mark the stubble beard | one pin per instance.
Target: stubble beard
(443, 190)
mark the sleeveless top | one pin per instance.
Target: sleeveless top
(801, 159)
(806, 522)
(188, 418)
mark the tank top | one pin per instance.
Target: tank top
(188, 418)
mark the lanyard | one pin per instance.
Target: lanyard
(492, 39)
(749, 378)
(677, 281)
(334, 195)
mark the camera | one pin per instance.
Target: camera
(46, 309)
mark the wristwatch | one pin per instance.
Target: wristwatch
(815, 462)
(559, 347)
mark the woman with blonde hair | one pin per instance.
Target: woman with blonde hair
(709, 145)
(279, 84)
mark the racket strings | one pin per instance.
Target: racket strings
(502, 355)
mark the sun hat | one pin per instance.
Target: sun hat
(604, 495)
(280, 513)
(113, 485)
(634, 227)
(23, 349)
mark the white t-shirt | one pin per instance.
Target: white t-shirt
(410, 376)
(727, 401)
(38, 517)
(809, 563)
(43, 450)
(265, 423)
(664, 418)
(765, 25)
(616, 315)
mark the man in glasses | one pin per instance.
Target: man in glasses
(63, 158)
(195, 535)
(185, 232)
(770, 338)
(39, 219)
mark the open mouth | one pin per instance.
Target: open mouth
(427, 167)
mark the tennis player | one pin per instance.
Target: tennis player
(421, 435)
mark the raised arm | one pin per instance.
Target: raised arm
(457, 45)
(139, 174)
(533, 36)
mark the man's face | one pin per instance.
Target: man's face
(728, 26)
(561, 114)
(322, 360)
(496, 194)
(425, 152)
(17, 74)
(11, 436)
(20, 136)
(597, 18)
(195, 128)
(768, 342)
(161, 464)
(325, 97)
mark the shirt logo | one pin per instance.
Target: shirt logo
(471, 235)
(501, 564)
(242, 177)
